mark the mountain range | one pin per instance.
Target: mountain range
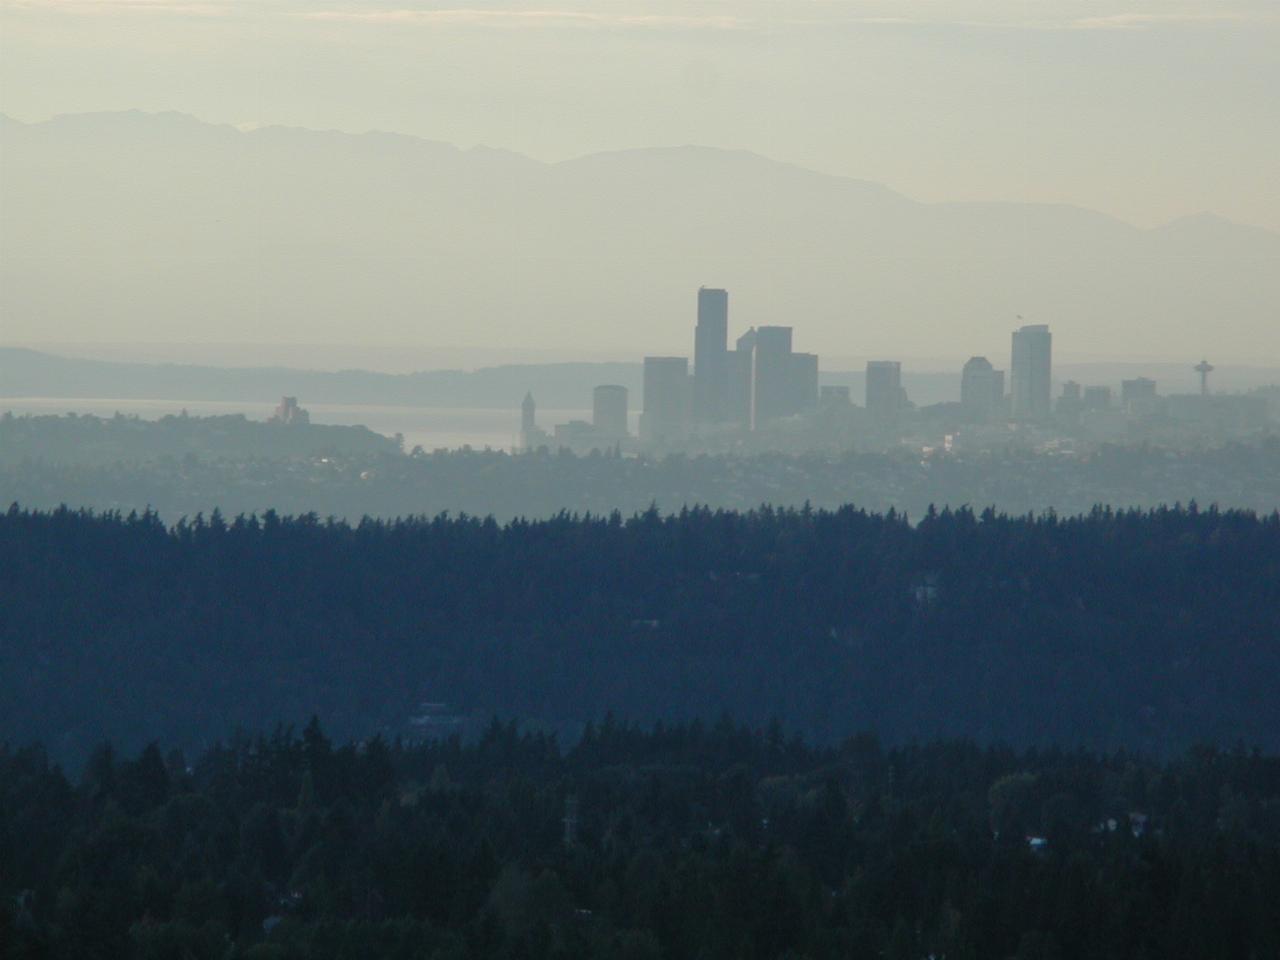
(26, 373)
(134, 226)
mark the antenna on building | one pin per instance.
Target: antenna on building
(1204, 368)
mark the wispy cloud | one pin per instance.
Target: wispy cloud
(471, 16)
(685, 15)
(190, 8)
(1140, 21)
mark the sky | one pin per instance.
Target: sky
(1144, 110)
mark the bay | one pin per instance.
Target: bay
(432, 428)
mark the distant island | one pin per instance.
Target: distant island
(85, 441)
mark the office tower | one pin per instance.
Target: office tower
(1138, 389)
(1097, 398)
(609, 411)
(711, 356)
(666, 400)
(766, 380)
(885, 396)
(1030, 372)
(528, 424)
(741, 379)
(981, 389)
(803, 394)
(771, 374)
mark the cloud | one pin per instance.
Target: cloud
(470, 16)
(189, 8)
(687, 15)
(1139, 21)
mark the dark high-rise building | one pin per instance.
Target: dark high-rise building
(1140, 390)
(981, 389)
(1030, 372)
(609, 411)
(885, 396)
(771, 375)
(742, 379)
(765, 380)
(1097, 398)
(666, 400)
(528, 421)
(710, 357)
(804, 383)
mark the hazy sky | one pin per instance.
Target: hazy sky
(1147, 110)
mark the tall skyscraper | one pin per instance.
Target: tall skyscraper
(742, 363)
(885, 396)
(803, 395)
(1030, 372)
(710, 356)
(767, 381)
(981, 389)
(771, 374)
(609, 411)
(665, 416)
(528, 421)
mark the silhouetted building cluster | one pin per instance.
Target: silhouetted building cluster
(606, 430)
(760, 394)
(760, 380)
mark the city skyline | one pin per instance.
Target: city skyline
(730, 398)
(660, 479)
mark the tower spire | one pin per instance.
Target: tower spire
(1204, 368)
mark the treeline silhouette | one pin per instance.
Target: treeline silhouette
(1148, 630)
(683, 841)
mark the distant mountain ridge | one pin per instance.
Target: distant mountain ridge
(566, 385)
(140, 226)
(31, 373)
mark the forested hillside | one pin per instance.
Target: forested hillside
(686, 841)
(1150, 630)
(1239, 475)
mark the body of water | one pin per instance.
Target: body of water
(429, 427)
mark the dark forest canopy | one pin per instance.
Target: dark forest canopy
(683, 841)
(1149, 630)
